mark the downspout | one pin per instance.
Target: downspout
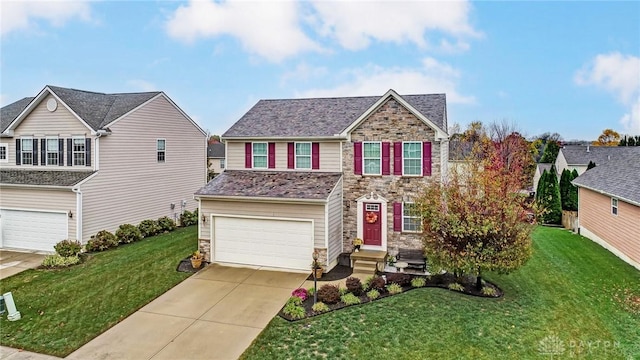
(78, 213)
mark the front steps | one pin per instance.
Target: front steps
(367, 262)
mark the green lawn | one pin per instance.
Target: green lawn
(64, 309)
(563, 299)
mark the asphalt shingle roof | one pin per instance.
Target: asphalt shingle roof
(272, 184)
(42, 177)
(578, 154)
(215, 150)
(322, 116)
(619, 177)
(96, 109)
(11, 111)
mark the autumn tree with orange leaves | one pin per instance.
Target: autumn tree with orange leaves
(609, 137)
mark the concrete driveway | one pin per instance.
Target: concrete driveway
(215, 314)
(13, 262)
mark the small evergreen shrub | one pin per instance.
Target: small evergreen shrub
(294, 311)
(488, 291)
(350, 299)
(166, 224)
(128, 233)
(329, 294)
(101, 241)
(373, 294)
(320, 307)
(66, 248)
(188, 218)
(148, 228)
(394, 288)
(56, 260)
(401, 279)
(354, 285)
(378, 283)
(418, 282)
(455, 287)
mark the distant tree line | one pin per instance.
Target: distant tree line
(630, 141)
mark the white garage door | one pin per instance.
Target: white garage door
(265, 242)
(33, 230)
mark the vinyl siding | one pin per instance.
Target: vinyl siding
(329, 156)
(297, 211)
(41, 199)
(41, 123)
(335, 224)
(620, 232)
(131, 185)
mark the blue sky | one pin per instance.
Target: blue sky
(566, 67)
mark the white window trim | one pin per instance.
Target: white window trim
(47, 152)
(614, 208)
(295, 155)
(410, 217)
(23, 138)
(421, 158)
(253, 155)
(158, 150)
(222, 163)
(6, 153)
(379, 159)
(74, 152)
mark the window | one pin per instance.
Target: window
(161, 147)
(614, 206)
(4, 156)
(221, 163)
(412, 158)
(78, 152)
(26, 151)
(260, 155)
(52, 151)
(372, 207)
(372, 158)
(411, 219)
(303, 155)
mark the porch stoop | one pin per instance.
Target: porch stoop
(368, 261)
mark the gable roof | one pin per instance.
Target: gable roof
(95, 110)
(618, 178)
(216, 150)
(582, 154)
(42, 177)
(325, 117)
(541, 167)
(282, 185)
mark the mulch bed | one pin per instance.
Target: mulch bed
(185, 266)
(439, 281)
(337, 273)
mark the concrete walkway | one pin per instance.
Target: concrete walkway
(13, 262)
(215, 314)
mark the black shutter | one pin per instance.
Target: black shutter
(87, 152)
(35, 151)
(43, 151)
(69, 152)
(61, 152)
(18, 153)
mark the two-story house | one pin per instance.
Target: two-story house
(313, 174)
(215, 158)
(75, 162)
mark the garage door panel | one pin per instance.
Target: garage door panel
(33, 230)
(264, 242)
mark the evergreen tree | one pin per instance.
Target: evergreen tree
(541, 187)
(550, 152)
(632, 142)
(623, 141)
(549, 198)
(572, 201)
(591, 165)
(565, 184)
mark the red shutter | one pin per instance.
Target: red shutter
(426, 158)
(386, 161)
(397, 158)
(291, 156)
(247, 155)
(18, 152)
(397, 216)
(272, 155)
(315, 156)
(357, 158)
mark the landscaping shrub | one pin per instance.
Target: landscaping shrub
(66, 248)
(488, 291)
(418, 282)
(60, 261)
(394, 288)
(373, 294)
(301, 293)
(378, 283)
(148, 228)
(128, 233)
(366, 285)
(320, 307)
(188, 218)
(401, 279)
(294, 300)
(166, 224)
(456, 287)
(343, 290)
(101, 241)
(354, 285)
(311, 291)
(293, 310)
(350, 299)
(329, 294)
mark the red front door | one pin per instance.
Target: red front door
(372, 224)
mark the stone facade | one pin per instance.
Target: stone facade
(392, 122)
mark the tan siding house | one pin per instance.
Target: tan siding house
(115, 158)
(609, 206)
(351, 171)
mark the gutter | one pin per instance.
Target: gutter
(78, 213)
(629, 201)
(336, 137)
(260, 199)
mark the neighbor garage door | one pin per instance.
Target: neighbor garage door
(33, 230)
(282, 243)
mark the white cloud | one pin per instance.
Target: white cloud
(619, 75)
(267, 28)
(432, 77)
(142, 85)
(354, 24)
(24, 15)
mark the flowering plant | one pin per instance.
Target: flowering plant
(301, 293)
